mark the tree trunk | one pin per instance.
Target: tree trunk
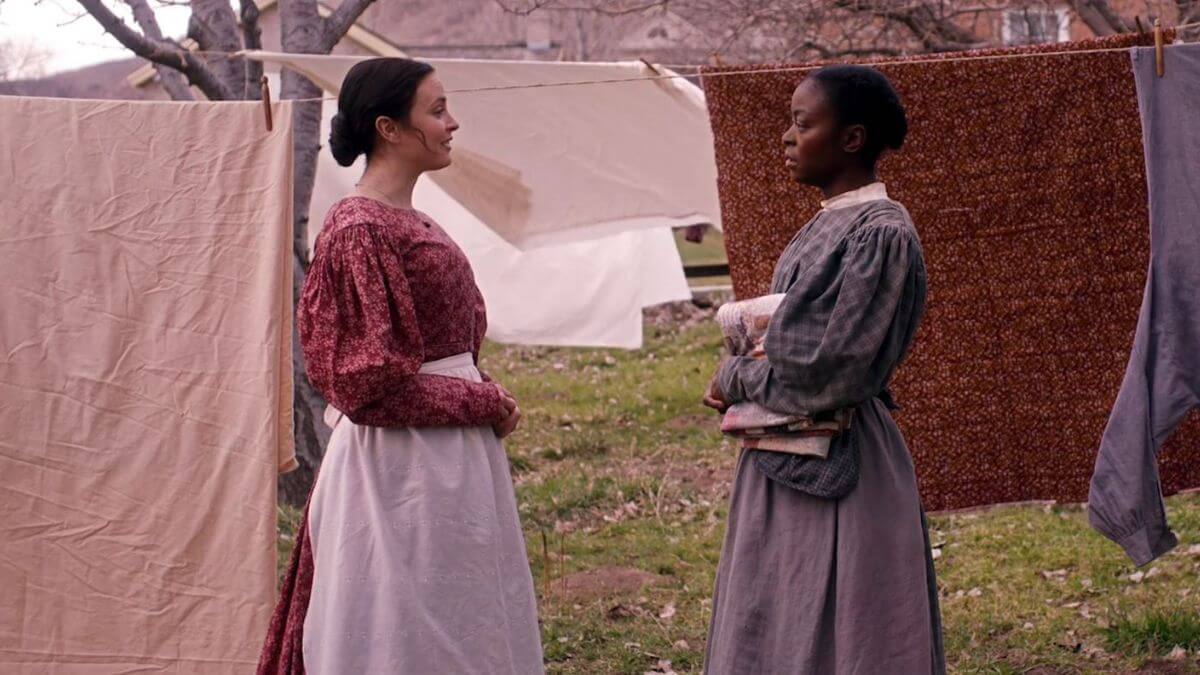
(301, 33)
(295, 486)
(1100, 17)
(171, 79)
(251, 39)
(311, 434)
(214, 26)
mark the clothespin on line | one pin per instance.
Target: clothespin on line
(649, 65)
(1138, 20)
(1158, 48)
(266, 98)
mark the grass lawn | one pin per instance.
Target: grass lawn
(623, 479)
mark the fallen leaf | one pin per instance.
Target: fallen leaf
(682, 644)
(1055, 575)
(1071, 646)
(664, 668)
(1177, 654)
(1095, 652)
(975, 592)
(936, 553)
(618, 612)
(1137, 577)
(668, 611)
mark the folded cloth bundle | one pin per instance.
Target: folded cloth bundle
(744, 327)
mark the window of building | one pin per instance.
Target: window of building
(1033, 25)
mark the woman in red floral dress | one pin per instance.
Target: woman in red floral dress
(411, 558)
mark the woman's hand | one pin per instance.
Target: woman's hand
(714, 397)
(512, 414)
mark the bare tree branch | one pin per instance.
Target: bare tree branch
(214, 26)
(251, 39)
(758, 30)
(1189, 11)
(172, 80)
(21, 59)
(1100, 17)
(342, 18)
(826, 51)
(936, 31)
(601, 7)
(522, 11)
(197, 72)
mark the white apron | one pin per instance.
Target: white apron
(419, 559)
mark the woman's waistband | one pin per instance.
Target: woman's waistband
(447, 365)
(463, 360)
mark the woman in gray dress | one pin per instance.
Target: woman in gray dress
(826, 565)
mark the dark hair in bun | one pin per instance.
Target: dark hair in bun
(373, 88)
(862, 95)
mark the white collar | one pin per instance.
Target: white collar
(867, 193)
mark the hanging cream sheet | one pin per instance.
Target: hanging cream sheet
(586, 289)
(581, 294)
(145, 382)
(557, 164)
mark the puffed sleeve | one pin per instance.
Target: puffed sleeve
(842, 328)
(362, 343)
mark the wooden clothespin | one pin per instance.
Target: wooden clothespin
(716, 57)
(1158, 47)
(649, 65)
(1138, 20)
(266, 98)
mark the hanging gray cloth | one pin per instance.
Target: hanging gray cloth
(1162, 380)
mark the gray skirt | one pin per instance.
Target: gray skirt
(811, 585)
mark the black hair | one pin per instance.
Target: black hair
(373, 88)
(862, 95)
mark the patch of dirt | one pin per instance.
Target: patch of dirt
(677, 315)
(713, 480)
(604, 582)
(688, 489)
(703, 477)
(696, 421)
(1167, 668)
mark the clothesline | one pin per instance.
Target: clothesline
(748, 70)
